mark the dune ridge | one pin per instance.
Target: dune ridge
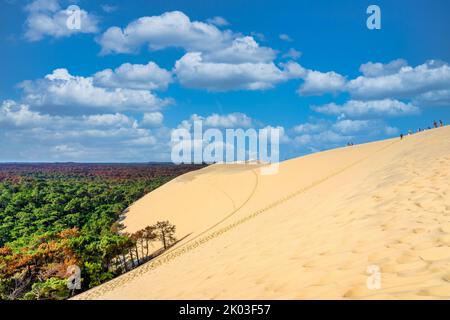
(310, 231)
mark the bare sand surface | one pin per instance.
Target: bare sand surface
(309, 232)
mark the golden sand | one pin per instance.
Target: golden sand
(310, 231)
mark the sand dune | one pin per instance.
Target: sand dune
(310, 231)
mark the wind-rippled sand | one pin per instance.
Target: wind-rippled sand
(310, 231)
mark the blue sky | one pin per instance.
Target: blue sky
(115, 88)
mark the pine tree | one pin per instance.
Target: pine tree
(165, 232)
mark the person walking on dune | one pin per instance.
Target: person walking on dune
(401, 136)
(435, 124)
(440, 123)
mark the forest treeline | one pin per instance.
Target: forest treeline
(53, 219)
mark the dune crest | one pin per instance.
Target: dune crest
(314, 230)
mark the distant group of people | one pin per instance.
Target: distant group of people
(435, 124)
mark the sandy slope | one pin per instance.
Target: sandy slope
(311, 231)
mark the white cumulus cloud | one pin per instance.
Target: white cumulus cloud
(193, 72)
(292, 54)
(152, 119)
(29, 135)
(218, 21)
(285, 37)
(215, 120)
(324, 134)
(175, 29)
(370, 108)
(47, 18)
(406, 82)
(433, 98)
(171, 29)
(134, 76)
(377, 69)
(61, 89)
(242, 49)
(317, 83)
